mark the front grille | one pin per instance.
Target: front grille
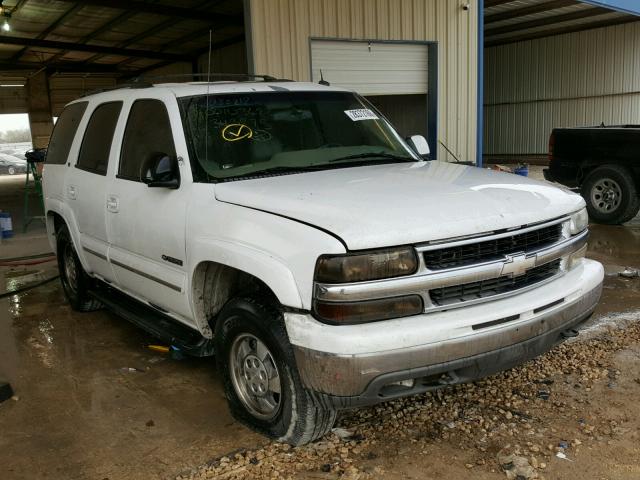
(446, 296)
(482, 251)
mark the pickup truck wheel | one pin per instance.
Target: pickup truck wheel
(75, 281)
(260, 376)
(611, 195)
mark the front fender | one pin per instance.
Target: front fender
(279, 251)
(272, 271)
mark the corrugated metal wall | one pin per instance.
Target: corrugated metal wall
(230, 59)
(281, 30)
(578, 79)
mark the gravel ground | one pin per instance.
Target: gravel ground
(523, 412)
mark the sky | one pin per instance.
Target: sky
(16, 121)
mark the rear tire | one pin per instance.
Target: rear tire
(611, 195)
(264, 390)
(75, 281)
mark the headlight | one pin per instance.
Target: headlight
(578, 221)
(353, 313)
(366, 266)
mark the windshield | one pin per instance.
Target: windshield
(248, 134)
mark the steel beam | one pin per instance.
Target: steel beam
(42, 35)
(56, 45)
(172, 11)
(536, 8)
(540, 22)
(561, 31)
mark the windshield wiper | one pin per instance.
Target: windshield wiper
(372, 155)
(277, 171)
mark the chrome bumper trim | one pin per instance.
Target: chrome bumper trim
(421, 283)
(349, 375)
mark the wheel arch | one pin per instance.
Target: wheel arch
(58, 214)
(218, 278)
(588, 167)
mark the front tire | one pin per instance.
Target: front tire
(75, 281)
(611, 195)
(260, 376)
(12, 171)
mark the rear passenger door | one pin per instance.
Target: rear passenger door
(60, 152)
(87, 182)
(147, 225)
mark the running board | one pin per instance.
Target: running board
(161, 326)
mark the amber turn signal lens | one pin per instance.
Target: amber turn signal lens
(353, 313)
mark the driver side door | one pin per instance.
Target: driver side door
(147, 225)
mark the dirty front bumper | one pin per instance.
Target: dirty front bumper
(366, 378)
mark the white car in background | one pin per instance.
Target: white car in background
(288, 229)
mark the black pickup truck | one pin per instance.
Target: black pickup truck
(604, 163)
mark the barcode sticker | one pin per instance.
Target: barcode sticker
(361, 114)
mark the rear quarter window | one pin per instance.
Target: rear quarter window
(64, 133)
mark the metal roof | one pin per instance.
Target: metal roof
(119, 37)
(509, 21)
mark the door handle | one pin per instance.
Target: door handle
(113, 204)
(72, 193)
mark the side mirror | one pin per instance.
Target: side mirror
(161, 171)
(419, 145)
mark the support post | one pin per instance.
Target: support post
(480, 122)
(39, 108)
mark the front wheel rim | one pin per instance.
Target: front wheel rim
(255, 376)
(606, 195)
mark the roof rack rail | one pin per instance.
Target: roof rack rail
(239, 77)
(146, 82)
(117, 87)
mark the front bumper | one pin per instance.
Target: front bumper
(462, 345)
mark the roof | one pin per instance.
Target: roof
(509, 21)
(118, 37)
(189, 89)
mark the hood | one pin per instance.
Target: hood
(409, 203)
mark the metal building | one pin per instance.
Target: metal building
(548, 62)
(571, 64)
(363, 44)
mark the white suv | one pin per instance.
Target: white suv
(289, 229)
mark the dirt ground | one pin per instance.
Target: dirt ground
(93, 402)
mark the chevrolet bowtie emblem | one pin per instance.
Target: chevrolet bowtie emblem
(517, 265)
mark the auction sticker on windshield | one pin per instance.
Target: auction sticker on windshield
(361, 114)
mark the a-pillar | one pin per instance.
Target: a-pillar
(39, 107)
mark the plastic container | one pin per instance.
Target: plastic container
(6, 226)
(522, 170)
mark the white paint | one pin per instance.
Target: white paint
(421, 330)
(276, 228)
(399, 204)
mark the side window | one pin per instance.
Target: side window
(148, 133)
(64, 132)
(96, 144)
